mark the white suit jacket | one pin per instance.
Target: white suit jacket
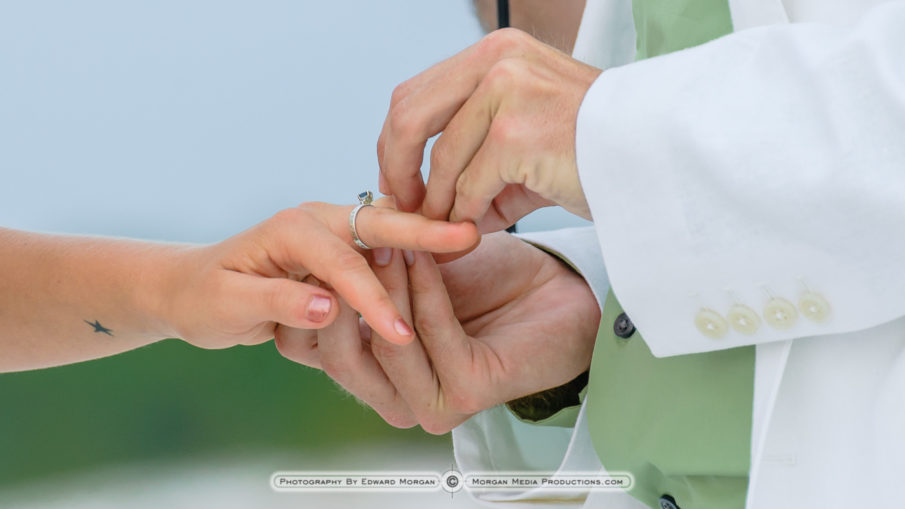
(767, 164)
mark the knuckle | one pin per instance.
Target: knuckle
(288, 220)
(468, 202)
(505, 40)
(400, 92)
(349, 261)
(381, 151)
(286, 351)
(435, 425)
(467, 209)
(286, 217)
(440, 153)
(309, 210)
(403, 122)
(425, 325)
(535, 177)
(296, 353)
(401, 420)
(463, 186)
(385, 351)
(279, 339)
(283, 339)
(505, 75)
(505, 132)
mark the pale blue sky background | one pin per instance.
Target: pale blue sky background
(192, 120)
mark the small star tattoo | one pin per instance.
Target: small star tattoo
(100, 328)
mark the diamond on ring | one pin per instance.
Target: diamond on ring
(364, 198)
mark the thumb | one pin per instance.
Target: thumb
(291, 303)
(513, 203)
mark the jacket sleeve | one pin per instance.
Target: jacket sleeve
(752, 189)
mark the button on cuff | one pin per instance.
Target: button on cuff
(780, 313)
(743, 319)
(711, 324)
(814, 307)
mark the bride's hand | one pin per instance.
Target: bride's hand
(238, 290)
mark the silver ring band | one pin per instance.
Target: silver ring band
(352, 217)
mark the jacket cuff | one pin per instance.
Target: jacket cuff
(717, 231)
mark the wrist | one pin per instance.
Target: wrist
(163, 275)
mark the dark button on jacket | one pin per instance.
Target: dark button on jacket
(623, 327)
(667, 502)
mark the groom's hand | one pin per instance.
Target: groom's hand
(505, 321)
(506, 111)
(515, 321)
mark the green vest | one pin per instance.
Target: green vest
(680, 425)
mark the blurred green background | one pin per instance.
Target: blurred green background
(171, 401)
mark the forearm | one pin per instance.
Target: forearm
(66, 299)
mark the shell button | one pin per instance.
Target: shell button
(710, 323)
(814, 307)
(743, 319)
(780, 313)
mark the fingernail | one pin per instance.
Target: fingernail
(382, 256)
(319, 308)
(409, 257)
(402, 328)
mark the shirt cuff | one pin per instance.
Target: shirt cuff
(579, 249)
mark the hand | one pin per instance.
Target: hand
(237, 291)
(515, 321)
(507, 108)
